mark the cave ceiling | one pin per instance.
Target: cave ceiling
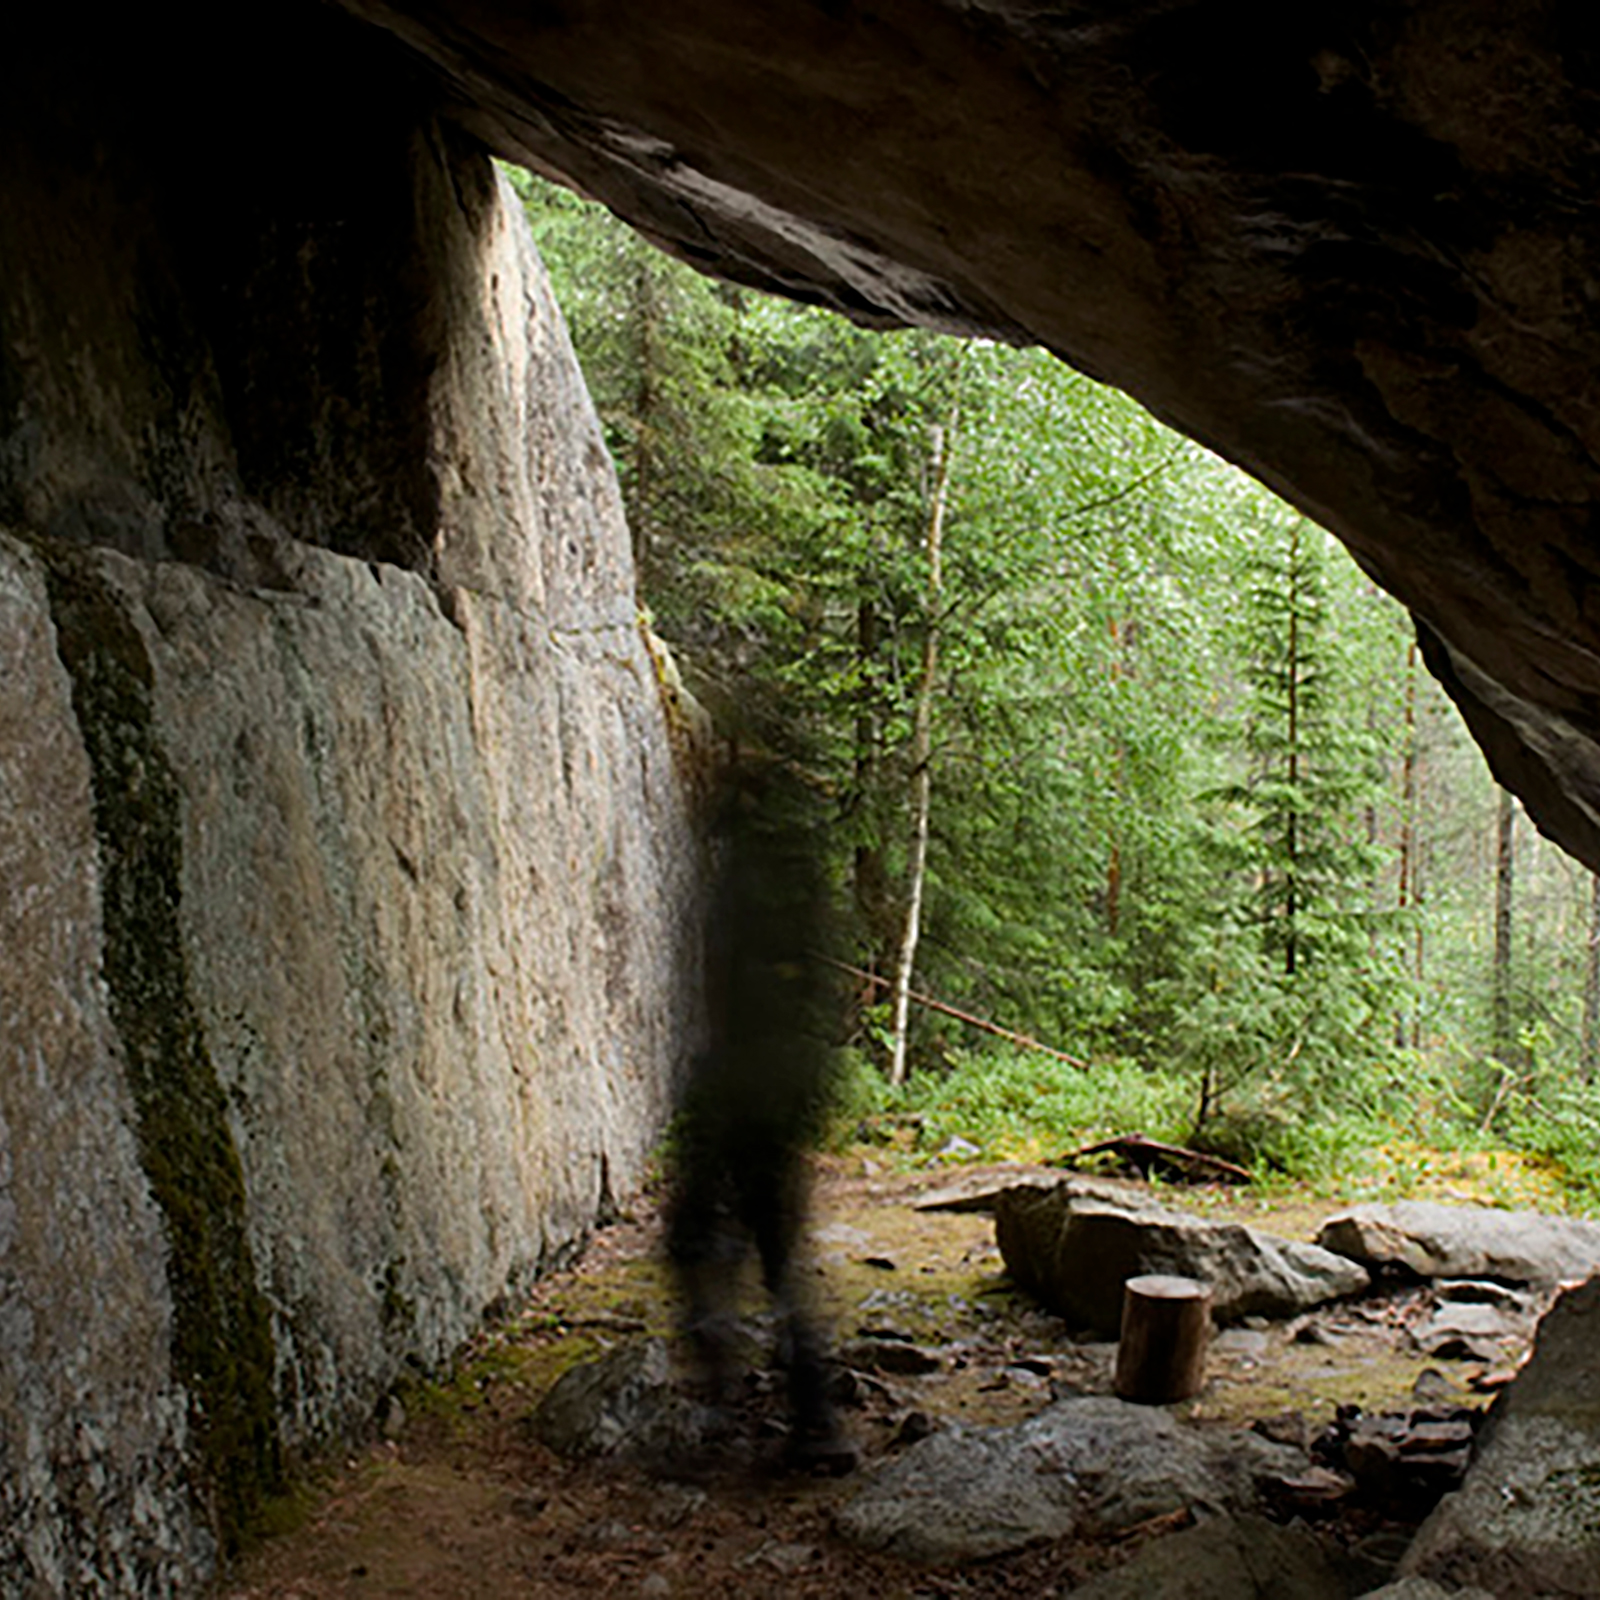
(1353, 247)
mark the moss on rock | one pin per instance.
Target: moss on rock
(222, 1348)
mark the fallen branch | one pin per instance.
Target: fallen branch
(1145, 1153)
(983, 1023)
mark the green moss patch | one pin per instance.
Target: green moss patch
(222, 1348)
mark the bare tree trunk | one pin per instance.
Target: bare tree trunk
(1409, 1029)
(1123, 636)
(1501, 1041)
(646, 313)
(941, 442)
(870, 874)
(1589, 1051)
(1291, 894)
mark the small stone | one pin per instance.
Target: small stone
(392, 1420)
(914, 1426)
(1245, 1341)
(1315, 1333)
(1316, 1491)
(1432, 1386)
(1287, 1427)
(891, 1355)
(1026, 1376)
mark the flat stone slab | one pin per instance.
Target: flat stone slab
(1074, 1251)
(1440, 1241)
(1526, 1523)
(1225, 1558)
(1094, 1464)
(981, 1190)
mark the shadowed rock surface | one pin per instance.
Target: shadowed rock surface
(346, 878)
(1225, 1558)
(1527, 1520)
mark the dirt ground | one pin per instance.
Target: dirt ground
(458, 1501)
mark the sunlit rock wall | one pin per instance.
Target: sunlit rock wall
(346, 877)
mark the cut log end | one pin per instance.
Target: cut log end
(1166, 1325)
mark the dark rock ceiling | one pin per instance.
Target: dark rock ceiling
(1352, 246)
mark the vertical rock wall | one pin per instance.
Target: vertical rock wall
(346, 880)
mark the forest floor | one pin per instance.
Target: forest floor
(460, 1502)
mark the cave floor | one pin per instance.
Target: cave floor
(458, 1501)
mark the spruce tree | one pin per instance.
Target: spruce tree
(1308, 764)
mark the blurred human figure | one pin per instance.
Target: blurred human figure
(756, 1096)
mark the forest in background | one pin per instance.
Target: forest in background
(1126, 756)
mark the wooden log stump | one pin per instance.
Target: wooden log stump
(1166, 1325)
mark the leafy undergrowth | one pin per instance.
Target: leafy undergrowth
(460, 1500)
(1407, 1144)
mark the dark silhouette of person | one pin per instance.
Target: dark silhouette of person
(757, 1095)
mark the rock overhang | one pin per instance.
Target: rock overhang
(1350, 246)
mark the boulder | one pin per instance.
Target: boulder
(1440, 1241)
(1526, 1522)
(1076, 1251)
(1092, 1464)
(623, 1401)
(1224, 1558)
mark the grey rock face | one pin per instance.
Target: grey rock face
(94, 1434)
(1075, 1251)
(1441, 1241)
(1225, 1558)
(1526, 1522)
(347, 908)
(1096, 1463)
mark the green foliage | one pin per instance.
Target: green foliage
(1196, 813)
(1011, 1103)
